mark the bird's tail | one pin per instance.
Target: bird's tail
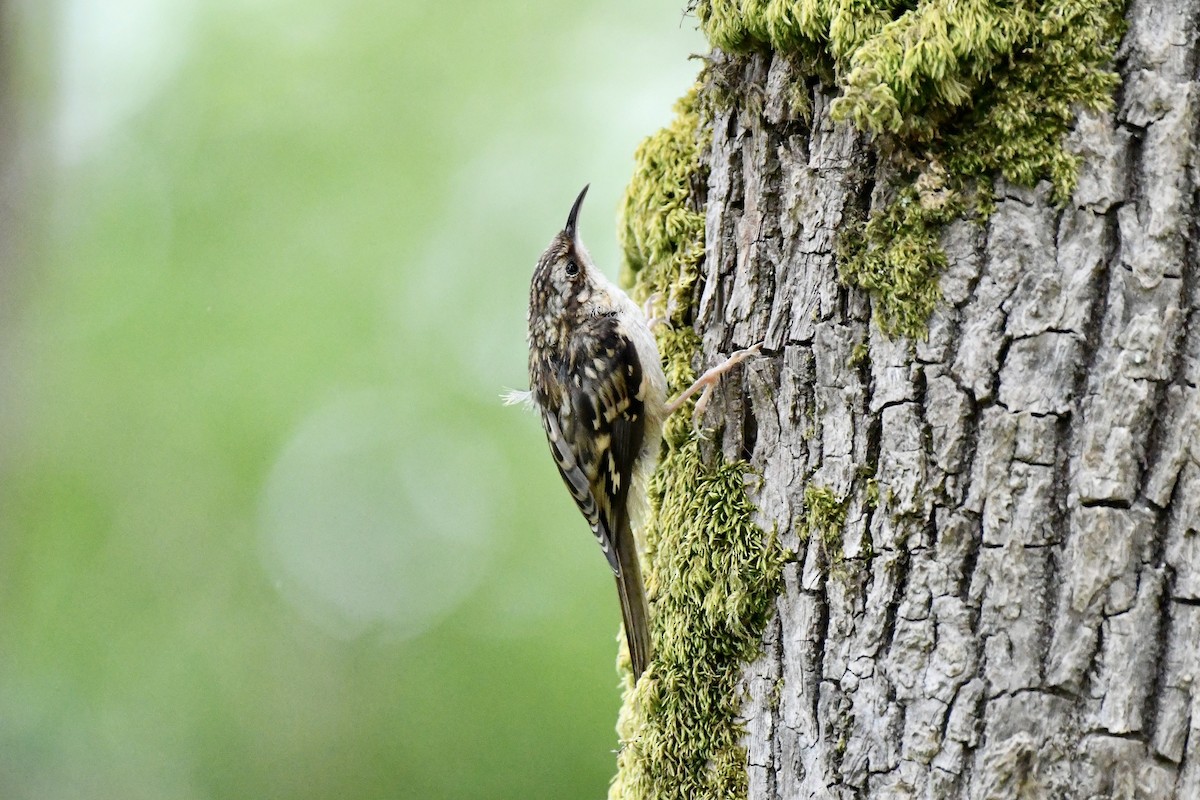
(635, 613)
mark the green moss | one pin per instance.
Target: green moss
(824, 517)
(896, 256)
(661, 234)
(859, 355)
(776, 694)
(712, 577)
(711, 573)
(872, 493)
(974, 88)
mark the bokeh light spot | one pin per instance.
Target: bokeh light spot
(369, 520)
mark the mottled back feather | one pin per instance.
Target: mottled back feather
(596, 427)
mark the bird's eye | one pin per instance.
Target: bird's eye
(572, 268)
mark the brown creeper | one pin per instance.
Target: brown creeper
(596, 379)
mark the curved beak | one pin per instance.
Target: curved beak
(573, 217)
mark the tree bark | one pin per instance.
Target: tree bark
(1007, 601)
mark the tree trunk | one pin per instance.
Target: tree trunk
(988, 535)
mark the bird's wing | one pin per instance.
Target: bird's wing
(578, 484)
(597, 427)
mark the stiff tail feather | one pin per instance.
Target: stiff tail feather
(634, 611)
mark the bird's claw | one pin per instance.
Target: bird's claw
(652, 321)
(708, 382)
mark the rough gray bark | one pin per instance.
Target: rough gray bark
(1020, 615)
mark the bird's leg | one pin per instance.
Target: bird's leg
(709, 379)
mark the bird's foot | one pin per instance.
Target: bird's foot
(707, 382)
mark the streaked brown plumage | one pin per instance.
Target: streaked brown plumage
(596, 379)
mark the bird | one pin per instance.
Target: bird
(596, 380)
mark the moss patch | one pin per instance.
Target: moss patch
(711, 573)
(824, 517)
(896, 255)
(973, 88)
(661, 234)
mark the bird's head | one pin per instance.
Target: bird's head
(564, 278)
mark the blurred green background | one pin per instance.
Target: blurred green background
(265, 529)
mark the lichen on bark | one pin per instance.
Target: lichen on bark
(711, 573)
(964, 89)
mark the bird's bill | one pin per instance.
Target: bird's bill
(573, 217)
